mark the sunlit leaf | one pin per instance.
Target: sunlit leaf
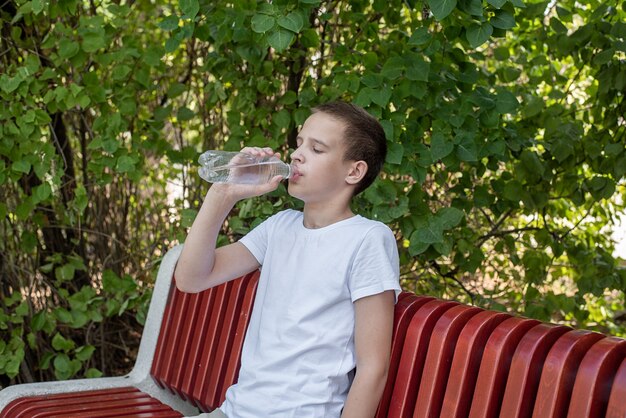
(441, 8)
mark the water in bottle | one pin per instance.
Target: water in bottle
(240, 168)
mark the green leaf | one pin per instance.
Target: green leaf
(93, 373)
(441, 8)
(418, 70)
(506, 102)
(187, 217)
(432, 233)
(21, 166)
(388, 128)
(282, 119)
(289, 98)
(310, 39)
(466, 149)
(497, 3)
(513, 191)
(22, 309)
(42, 192)
(68, 48)
(473, 7)
(601, 187)
(557, 26)
(532, 162)
(38, 321)
(62, 367)
(417, 247)
(120, 72)
(393, 68)
(13, 367)
(439, 146)
(419, 37)
(185, 114)
(24, 209)
(171, 44)
(9, 84)
(261, 23)
(533, 107)
(93, 41)
(38, 6)
(381, 96)
(280, 39)
(478, 34)
(61, 343)
(85, 352)
(62, 315)
(80, 198)
(444, 248)
(64, 273)
(395, 152)
(482, 197)
(293, 22)
(503, 20)
(450, 217)
(152, 56)
(169, 23)
(189, 8)
(603, 57)
(125, 164)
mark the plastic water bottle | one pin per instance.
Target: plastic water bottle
(240, 168)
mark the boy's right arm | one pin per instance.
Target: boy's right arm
(202, 266)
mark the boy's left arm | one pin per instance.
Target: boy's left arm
(372, 339)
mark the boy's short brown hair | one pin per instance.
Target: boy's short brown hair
(364, 138)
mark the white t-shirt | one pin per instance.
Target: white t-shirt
(298, 356)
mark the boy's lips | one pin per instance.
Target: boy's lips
(296, 174)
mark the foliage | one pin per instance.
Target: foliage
(504, 122)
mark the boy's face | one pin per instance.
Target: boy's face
(320, 170)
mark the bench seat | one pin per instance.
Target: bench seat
(447, 360)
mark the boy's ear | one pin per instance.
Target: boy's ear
(357, 172)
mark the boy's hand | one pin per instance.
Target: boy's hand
(235, 192)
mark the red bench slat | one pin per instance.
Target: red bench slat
(617, 400)
(494, 367)
(179, 367)
(198, 340)
(559, 372)
(413, 356)
(167, 335)
(93, 404)
(594, 379)
(206, 391)
(526, 367)
(406, 307)
(466, 361)
(201, 343)
(231, 369)
(201, 370)
(439, 358)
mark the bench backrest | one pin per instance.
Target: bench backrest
(460, 361)
(448, 359)
(199, 348)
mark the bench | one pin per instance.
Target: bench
(448, 360)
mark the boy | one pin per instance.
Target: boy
(320, 333)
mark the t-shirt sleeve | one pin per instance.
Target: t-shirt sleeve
(256, 240)
(376, 265)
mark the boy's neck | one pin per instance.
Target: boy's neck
(319, 216)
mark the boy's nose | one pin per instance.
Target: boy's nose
(296, 155)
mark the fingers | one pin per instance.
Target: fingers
(260, 152)
(273, 184)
